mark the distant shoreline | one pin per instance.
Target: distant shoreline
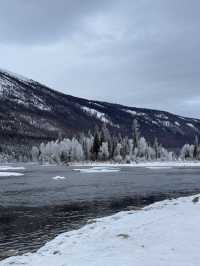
(152, 164)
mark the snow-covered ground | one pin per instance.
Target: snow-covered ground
(162, 234)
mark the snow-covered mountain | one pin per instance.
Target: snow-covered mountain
(31, 112)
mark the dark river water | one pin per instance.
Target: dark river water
(34, 208)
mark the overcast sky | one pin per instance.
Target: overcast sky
(140, 53)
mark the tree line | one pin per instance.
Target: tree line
(101, 146)
(191, 151)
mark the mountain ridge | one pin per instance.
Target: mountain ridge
(31, 112)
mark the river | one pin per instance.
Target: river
(35, 207)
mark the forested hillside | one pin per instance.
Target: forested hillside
(31, 113)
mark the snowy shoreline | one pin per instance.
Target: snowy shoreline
(138, 164)
(164, 233)
(4, 169)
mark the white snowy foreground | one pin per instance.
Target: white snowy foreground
(163, 234)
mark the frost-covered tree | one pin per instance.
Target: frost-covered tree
(87, 147)
(150, 153)
(117, 153)
(106, 137)
(103, 153)
(104, 146)
(35, 153)
(66, 150)
(136, 133)
(187, 152)
(196, 153)
(165, 155)
(142, 148)
(77, 151)
(130, 147)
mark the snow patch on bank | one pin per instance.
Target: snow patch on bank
(49, 165)
(171, 164)
(3, 168)
(4, 174)
(159, 234)
(97, 169)
(158, 167)
(58, 177)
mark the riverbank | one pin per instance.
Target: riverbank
(165, 233)
(92, 167)
(178, 163)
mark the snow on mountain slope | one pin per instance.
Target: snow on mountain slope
(165, 233)
(18, 94)
(97, 114)
(38, 113)
(15, 75)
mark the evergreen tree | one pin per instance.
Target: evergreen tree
(96, 146)
(156, 148)
(106, 137)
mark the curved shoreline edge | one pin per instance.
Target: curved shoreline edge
(164, 233)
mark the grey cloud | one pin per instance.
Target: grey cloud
(43, 21)
(141, 53)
